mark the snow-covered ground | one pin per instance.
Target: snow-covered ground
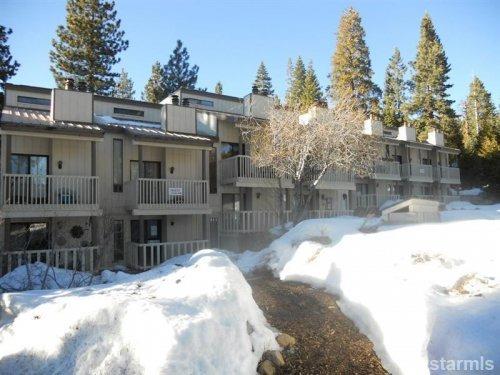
(192, 315)
(421, 293)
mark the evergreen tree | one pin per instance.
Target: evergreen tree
(394, 91)
(8, 68)
(178, 73)
(430, 105)
(351, 74)
(218, 88)
(263, 81)
(296, 84)
(125, 87)
(479, 121)
(155, 89)
(87, 47)
(312, 91)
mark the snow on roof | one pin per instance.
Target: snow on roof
(37, 117)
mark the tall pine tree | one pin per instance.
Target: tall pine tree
(124, 87)
(155, 88)
(263, 81)
(8, 68)
(86, 48)
(430, 106)
(351, 74)
(218, 88)
(312, 91)
(480, 120)
(178, 73)
(296, 83)
(395, 88)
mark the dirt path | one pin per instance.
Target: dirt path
(327, 341)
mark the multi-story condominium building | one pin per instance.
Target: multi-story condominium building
(89, 181)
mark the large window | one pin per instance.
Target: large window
(33, 100)
(206, 124)
(151, 169)
(230, 149)
(117, 165)
(206, 103)
(128, 112)
(29, 236)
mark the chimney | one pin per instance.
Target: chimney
(69, 84)
(254, 89)
(407, 133)
(82, 86)
(185, 102)
(71, 106)
(373, 127)
(175, 99)
(435, 138)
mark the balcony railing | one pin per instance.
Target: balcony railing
(325, 214)
(337, 179)
(375, 200)
(144, 256)
(78, 259)
(448, 175)
(240, 170)
(166, 194)
(417, 172)
(30, 192)
(387, 170)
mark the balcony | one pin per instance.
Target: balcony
(240, 171)
(417, 172)
(337, 180)
(448, 175)
(159, 196)
(387, 170)
(26, 195)
(85, 259)
(144, 256)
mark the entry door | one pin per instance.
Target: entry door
(152, 231)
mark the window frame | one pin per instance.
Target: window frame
(117, 186)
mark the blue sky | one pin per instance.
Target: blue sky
(228, 39)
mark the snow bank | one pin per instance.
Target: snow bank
(471, 192)
(419, 292)
(198, 318)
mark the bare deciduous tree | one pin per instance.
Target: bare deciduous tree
(303, 147)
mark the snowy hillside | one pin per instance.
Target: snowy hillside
(196, 317)
(419, 292)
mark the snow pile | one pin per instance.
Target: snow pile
(419, 292)
(41, 277)
(471, 192)
(195, 318)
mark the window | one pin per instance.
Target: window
(206, 103)
(230, 149)
(151, 169)
(32, 236)
(118, 240)
(135, 232)
(117, 165)
(206, 124)
(32, 100)
(127, 111)
(212, 171)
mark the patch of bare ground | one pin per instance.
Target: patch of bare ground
(327, 341)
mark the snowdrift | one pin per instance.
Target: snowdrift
(191, 315)
(419, 292)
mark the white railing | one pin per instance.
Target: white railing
(375, 200)
(165, 193)
(448, 174)
(27, 190)
(144, 256)
(335, 176)
(78, 259)
(449, 198)
(242, 167)
(417, 172)
(325, 214)
(428, 197)
(387, 170)
(251, 221)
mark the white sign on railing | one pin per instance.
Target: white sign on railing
(175, 191)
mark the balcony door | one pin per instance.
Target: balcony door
(34, 183)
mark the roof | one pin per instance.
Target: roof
(208, 94)
(42, 90)
(39, 118)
